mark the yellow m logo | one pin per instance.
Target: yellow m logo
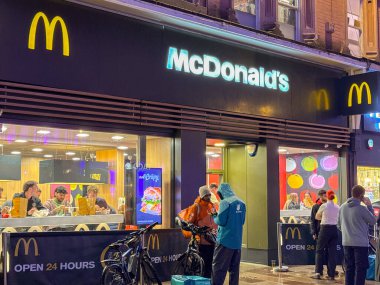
(321, 96)
(26, 246)
(49, 31)
(359, 93)
(292, 232)
(153, 242)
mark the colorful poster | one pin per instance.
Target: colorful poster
(148, 196)
(307, 173)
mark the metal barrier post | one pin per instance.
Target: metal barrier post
(280, 267)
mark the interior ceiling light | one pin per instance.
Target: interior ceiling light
(282, 150)
(43, 132)
(48, 155)
(37, 149)
(70, 153)
(3, 128)
(117, 138)
(122, 147)
(220, 144)
(215, 155)
(209, 153)
(125, 154)
(76, 158)
(16, 152)
(82, 135)
(21, 141)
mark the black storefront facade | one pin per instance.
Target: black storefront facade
(66, 65)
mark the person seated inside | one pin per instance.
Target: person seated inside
(100, 204)
(292, 202)
(34, 203)
(307, 201)
(38, 193)
(58, 206)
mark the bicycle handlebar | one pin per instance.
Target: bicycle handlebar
(192, 228)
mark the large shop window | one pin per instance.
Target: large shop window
(287, 17)
(369, 178)
(94, 180)
(303, 173)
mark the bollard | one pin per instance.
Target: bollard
(280, 267)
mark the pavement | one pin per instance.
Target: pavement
(257, 274)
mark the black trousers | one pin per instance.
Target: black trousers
(207, 252)
(327, 240)
(225, 259)
(356, 260)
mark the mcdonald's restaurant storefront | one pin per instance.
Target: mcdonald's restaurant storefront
(147, 113)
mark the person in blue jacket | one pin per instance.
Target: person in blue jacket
(230, 220)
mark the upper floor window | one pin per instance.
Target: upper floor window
(248, 6)
(287, 17)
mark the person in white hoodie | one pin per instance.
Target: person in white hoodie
(328, 237)
(354, 221)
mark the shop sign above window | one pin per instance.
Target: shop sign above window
(359, 93)
(211, 66)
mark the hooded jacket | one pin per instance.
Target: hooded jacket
(353, 221)
(230, 218)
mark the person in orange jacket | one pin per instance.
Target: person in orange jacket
(201, 215)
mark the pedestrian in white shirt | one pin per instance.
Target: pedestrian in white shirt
(328, 237)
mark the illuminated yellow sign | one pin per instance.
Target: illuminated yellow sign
(49, 31)
(359, 92)
(153, 242)
(96, 176)
(292, 232)
(321, 96)
(26, 246)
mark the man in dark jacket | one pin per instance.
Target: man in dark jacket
(230, 220)
(29, 190)
(315, 224)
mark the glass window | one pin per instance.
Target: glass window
(369, 178)
(248, 6)
(303, 173)
(215, 169)
(98, 173)
(287, 14)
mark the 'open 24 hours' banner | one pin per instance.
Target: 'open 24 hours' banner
(298, 245)
(54, 258)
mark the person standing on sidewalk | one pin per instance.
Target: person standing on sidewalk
(354, 221)
(328, 237)
(230, 220)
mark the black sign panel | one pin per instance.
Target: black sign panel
(69, 171)
(10, 167)
(64, 45)
(359, 93)
(75, 257)
(298, 247)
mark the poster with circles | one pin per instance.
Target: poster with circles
(311, 172)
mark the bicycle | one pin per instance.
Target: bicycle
(190, 262)
(130, 258)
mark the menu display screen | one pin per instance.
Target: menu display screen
(148, 196)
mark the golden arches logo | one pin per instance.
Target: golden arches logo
(292, 232)
(26, 246)
(153, 242)
(321, 96)
(359, 93)
(49, 32)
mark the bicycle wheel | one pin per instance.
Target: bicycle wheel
(113, 275)
(189, 264)
(150, 275)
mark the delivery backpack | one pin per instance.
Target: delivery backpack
(187, 214)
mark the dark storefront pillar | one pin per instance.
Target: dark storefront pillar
(189, 167)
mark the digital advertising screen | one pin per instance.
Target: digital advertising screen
(148, 196)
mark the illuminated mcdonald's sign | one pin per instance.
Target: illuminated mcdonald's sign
(359, 93)
(26, 246)
(292, 232)
(322, 99)
(153, 242)
(49, 31)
